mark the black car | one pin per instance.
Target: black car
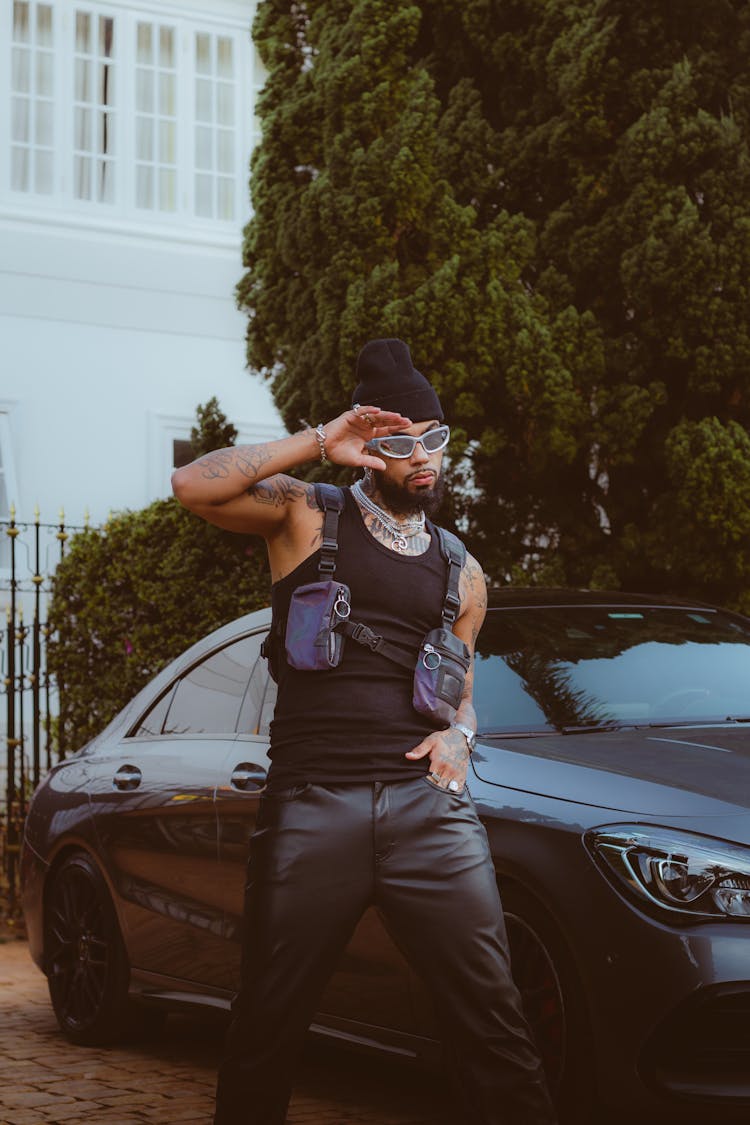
(612, 774)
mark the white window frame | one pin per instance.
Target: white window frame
(123, 213)
(166, 428)
(8, 459)
(7, 455)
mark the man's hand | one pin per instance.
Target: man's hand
(346, 435)
(449, 756)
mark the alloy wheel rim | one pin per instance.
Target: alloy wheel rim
(537, 980)
(79, 949)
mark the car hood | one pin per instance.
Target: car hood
(680, 771)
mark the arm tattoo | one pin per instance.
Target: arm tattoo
(473, 590)
(246, 459)
(317, 538)
(277, 490)
(455, 751)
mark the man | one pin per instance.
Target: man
(366, 800)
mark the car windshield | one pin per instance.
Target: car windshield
(562, 667)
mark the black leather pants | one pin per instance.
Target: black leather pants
(320, 855)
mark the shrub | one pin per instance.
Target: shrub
(129, 597)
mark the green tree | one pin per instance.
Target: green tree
(130, 596)
(358, 232)
(212, 429)
(550, 203)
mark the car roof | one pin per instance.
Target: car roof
(506, 597)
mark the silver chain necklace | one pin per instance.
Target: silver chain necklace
(399, 532)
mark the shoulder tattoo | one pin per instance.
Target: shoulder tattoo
(278, 490)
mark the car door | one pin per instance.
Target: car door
(153, 804)
(242, 776)
(371, 983)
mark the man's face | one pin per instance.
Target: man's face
(412, 484)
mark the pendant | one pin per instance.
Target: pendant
(399, 543)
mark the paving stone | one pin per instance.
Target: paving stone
(170, 1079)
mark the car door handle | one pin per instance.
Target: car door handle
(127, 777)
(248, 777)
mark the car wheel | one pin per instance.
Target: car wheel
(84, 955)
(544, 972)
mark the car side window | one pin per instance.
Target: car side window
(152, 722)
(269, 703)
(249, 717)
(207, 699)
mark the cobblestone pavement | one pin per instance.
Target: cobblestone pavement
(44, 1079)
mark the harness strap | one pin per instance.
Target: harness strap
(330, 500)
(454, 553)
(364, 635)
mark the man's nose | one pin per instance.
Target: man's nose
(420, 455)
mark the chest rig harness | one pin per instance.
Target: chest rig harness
(319, 621)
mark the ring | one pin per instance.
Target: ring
(453, 786)
(368, 419)
(356, 408)
(436, 776)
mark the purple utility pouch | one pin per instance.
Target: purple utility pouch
(312, 642)
(440, 675)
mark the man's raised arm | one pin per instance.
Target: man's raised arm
(245, 487)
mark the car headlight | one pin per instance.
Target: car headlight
(676, 871)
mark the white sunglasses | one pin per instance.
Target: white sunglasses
(403, 445)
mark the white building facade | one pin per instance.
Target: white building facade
(125, 132)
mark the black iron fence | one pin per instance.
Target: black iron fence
(29, 553)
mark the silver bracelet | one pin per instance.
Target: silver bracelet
(320, 434)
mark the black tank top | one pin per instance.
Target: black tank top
(355, 722)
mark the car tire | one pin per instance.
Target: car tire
(545, 974)
(84, 955)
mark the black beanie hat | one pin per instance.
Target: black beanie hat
(386, 377)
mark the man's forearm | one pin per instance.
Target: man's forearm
(224, 474)
(466, 715)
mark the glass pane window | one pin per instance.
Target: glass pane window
(182, 452)
(125, 108)
(215, 135)
(208, 699)
(156, 116)
(250, 711)
(267, 710)
(32, 104)
(95, 107)
(152, 722)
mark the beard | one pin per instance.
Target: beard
(399, 500)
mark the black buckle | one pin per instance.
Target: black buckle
(364, 635)
(328, 551)
(451, 606)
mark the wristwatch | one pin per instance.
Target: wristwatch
(468, 733)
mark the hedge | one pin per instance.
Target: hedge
(129, 597)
